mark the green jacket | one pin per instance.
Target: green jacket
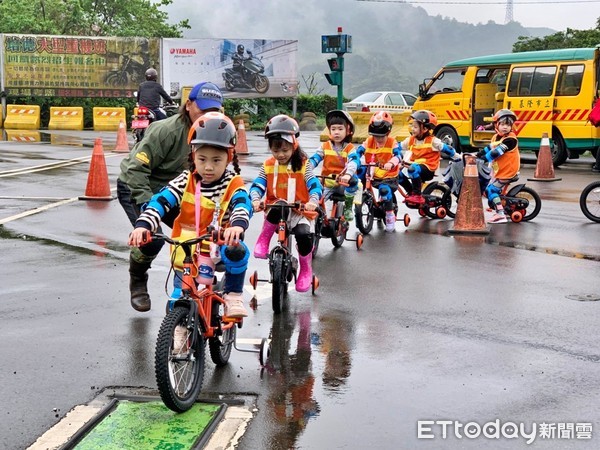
(158, 158)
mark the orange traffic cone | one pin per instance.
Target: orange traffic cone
(469, 213)
(122, 144)
(241, 146)
(544, 169)
(97, 183)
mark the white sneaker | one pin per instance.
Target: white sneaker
(234, 305)
(180, 340)
(390, 221)
(498, 218)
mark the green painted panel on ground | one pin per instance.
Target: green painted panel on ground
(148, 425)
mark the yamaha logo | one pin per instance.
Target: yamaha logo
(183, 51)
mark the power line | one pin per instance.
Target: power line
(458, 2)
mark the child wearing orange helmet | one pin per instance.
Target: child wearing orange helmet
(384, 150)
(503, 154)
(423, 151)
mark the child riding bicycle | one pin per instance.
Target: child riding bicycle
(385, 151)
(423, 151)
(503, 153)
(286, 175)
(208, 194)
(335, 155)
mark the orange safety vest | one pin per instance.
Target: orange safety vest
(381, 155)
(277, 183)
(184, 226)
(424, 151)
(334, 162)
(509, 164)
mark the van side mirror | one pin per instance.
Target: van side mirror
(422, 90)
(499, 96)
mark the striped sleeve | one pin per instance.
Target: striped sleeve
(315, 189)
(259, 185)
(162, 202)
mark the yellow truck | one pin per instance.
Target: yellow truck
(550, 91)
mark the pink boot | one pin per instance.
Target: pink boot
(304, 280)
(261, 249)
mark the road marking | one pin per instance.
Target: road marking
(41, 209)
(50, 166)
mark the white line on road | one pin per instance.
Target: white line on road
(41, 209)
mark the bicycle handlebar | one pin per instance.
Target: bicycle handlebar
(214, 236)
(336, 178)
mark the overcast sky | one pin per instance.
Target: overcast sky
(530, 13)
(243, 18)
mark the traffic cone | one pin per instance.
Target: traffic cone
(544, 169)
(97, 183)
(122, 144)
(469, 213)
(241, 146)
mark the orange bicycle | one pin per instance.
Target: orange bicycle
(194, 318)
(333, 225)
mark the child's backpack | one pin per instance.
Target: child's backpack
(594, 117)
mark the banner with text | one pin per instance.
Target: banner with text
(68, 66)
(242, 68)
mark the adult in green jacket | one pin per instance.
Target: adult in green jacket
(159, 157)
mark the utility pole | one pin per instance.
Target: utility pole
(509, 11)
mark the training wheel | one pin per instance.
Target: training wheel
(441, 212)
(422, 212)
(406, 220)
(359, 241)
(516, 216)
(254, 279)
(264, 352)
(315, 284)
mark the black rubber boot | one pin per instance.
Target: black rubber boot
(138, 285)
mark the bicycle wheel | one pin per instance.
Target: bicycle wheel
(178, 376)
(363, 213)
(279, 282)
(450, 202)
(339, 234)
(535, 203)
(589, 201)
(220, 346)
(434, 190)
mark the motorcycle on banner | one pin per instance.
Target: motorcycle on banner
(249, 74)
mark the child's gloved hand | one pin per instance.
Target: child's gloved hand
(310, 206)
(257, 205)
(388, 166)
(480, 128)
(457, 157)
(481, 153)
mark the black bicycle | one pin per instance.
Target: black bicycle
(589, 201)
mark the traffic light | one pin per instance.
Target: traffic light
(334, 78)
(337, 66)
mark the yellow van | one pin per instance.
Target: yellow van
(550, 91)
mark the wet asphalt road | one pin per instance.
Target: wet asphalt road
(418, 325)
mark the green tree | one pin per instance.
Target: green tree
(567, 39)
(89, 18)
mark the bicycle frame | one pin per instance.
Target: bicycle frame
(281, 258)
(200, 301)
